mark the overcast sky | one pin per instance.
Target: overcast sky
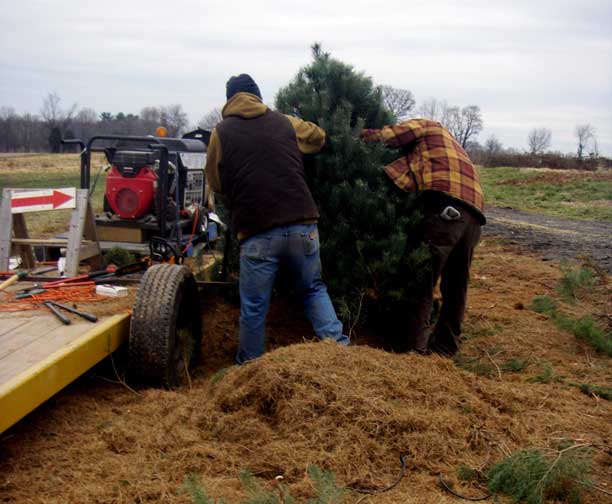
(544, 63)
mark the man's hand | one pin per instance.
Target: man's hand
(370, 135)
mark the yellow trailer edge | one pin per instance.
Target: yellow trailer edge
(26, 391)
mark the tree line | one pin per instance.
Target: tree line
(538, 153)
(43, 132)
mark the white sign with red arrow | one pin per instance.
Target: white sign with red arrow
(38, 200)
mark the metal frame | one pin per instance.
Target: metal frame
(151, 143)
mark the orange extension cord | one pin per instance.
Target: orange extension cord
(87, 294)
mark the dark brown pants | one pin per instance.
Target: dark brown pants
(451, 244)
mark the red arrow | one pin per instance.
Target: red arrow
(56, 199)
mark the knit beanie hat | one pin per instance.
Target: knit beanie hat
(242, 83)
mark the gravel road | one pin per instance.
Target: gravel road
(553, 237)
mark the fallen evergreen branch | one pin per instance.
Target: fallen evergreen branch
(533, 477)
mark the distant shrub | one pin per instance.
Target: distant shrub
(554, 160)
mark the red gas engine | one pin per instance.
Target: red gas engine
(131, 196)
(155, 190)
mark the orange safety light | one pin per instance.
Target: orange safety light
(161, 132)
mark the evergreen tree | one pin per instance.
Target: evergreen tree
(365, 219)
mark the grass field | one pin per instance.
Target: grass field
(49, 170)
(574, 194)
(564, 193)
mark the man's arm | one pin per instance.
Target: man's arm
(397, 135)
(213, 159)
(310, 137)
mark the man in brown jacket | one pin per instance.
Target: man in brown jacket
(255, 159)
(436, 166)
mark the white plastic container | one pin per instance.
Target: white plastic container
(111, 290)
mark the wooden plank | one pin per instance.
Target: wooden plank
(27, 349)
(6, 229)
(120, 234)
(90, 233)
(49, 242)
(7, 325)
(38, 327)
(23, 393)
(25, 251)
(89, 251)
(75, 233)
(141, 248)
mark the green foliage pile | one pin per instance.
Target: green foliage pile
(365, 219)
(532, 477)
(118, 256)
(324, 484)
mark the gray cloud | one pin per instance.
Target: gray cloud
(527, 64)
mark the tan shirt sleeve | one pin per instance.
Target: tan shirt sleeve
(213, 159)
(310, 137)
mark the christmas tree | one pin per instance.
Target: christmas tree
(365, 220)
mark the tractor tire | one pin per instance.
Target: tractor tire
(166, 328)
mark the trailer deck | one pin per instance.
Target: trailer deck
(39, 356)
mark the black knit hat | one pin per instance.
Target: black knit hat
(242, 83)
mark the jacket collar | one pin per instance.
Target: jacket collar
(244, 105)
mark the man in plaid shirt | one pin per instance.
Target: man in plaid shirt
(450, 197)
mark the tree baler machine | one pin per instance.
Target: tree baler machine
(155, 204)
(155, 193)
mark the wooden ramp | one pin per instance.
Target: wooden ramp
(39, 356)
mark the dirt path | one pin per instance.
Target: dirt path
(553, 237)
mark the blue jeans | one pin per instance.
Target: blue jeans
(296, 247)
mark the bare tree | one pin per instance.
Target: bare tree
(8, 129)
(52, 112)
(56, 119)
(211, 119)
(27, 131)
(585, 133)
(399, 101)
(174, 119)
(450, 117)
(493, 146)
(432, 109)
(150, 115)
(595, 150)
(539, 140)
(465, 123)
(85, 123)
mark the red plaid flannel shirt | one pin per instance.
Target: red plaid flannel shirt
(433, 160)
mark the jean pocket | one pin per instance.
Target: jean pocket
(311, 242)
(255, 248)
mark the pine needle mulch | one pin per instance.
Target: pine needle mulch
(352, 410)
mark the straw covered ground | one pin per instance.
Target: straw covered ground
(352, 410)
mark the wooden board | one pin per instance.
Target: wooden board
(120, 234)
(39, 356)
